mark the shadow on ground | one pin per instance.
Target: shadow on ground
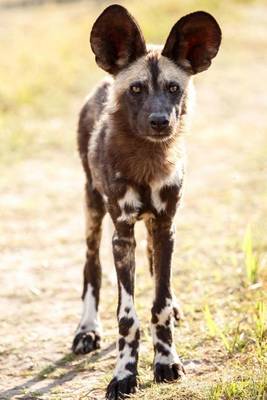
(64, 362)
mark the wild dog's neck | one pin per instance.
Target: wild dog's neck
(141, 160)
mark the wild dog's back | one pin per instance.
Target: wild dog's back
(89, 115)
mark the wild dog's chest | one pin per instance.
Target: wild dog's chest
(159, 197)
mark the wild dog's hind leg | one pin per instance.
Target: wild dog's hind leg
(167, 365)
(87, 336)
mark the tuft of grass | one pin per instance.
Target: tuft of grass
(260, 321)
(260, 330)
(233, 342)
(216, 331)
(51, 368)
(211, 324)
(252, 264)
(31, 395)
(46, 371)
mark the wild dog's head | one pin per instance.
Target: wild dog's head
(150, 85)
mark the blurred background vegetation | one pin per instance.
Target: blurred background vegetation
(46, 65)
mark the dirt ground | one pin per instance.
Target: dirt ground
(42, 251)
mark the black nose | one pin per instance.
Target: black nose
(158, 121)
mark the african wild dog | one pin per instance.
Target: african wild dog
(131, 149)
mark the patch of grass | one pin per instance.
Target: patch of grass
(31, 395)
(251, 389)
(252, 263)
(52, 368)
(260, 329)
(68, 358)
(46, 371)
(211, 324)
(167, 391)
(260, 321)
(234, 341)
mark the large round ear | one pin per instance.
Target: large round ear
(193, 41)
(116, 39)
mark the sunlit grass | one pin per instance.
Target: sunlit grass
(260, 321)
(233, 341)
(252, 263)
(251, 389)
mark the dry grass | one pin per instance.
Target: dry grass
(44, 76)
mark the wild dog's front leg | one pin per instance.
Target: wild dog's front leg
(125, 375)
(167, 365)
(177, 311)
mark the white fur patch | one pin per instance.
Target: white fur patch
(120, 371)
(163, 316)
(106, 252)
(90, 320)
(173, 179)
(131, 198)
(169, 71)
(126, 302)
(171, 358)
(165, 313)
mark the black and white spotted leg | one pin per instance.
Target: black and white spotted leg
(88, 333)
(124, 381)
(167, 365)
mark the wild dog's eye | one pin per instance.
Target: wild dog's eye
(136, 88)
(173, 88)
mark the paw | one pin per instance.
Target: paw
(168, 372)
(118, 389)
(85, 342)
